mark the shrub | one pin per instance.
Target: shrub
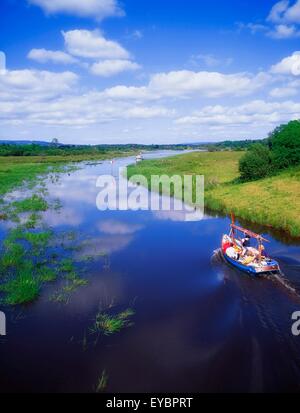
(285, 145)
(256, 163)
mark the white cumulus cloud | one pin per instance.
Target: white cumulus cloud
(283, 92)
(98, 9)
(256, 112)
(53, 56)
(283, 31)
(92, 44)
(209, 84)
(278, 10)
(35, 83)
(187, 84)
(107, 68)
(288, 66)
(281, 23)
(293, 13)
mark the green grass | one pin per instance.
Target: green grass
(274, 201)
(66, 265)
(21, 276)
(32, 221)
(23, 288)
(28, 261)
(25, 263)
(33, 204)
(218, 167)
(46, 274)
(38, 240)
(13, 255)
(14, 171)
(64, 294)
(17, 170)
(111, 324)
(102, 382)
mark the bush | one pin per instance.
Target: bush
(256, 163)
(285, 145)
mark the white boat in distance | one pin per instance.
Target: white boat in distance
(139, 157)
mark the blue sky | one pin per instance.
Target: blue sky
(151, 71)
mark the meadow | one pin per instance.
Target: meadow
(15, 170)
(28, 260)
(273, 201)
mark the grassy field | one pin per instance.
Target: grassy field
(273, 201)
(14, 170)
(28, 260)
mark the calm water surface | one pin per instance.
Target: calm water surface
(199, 325)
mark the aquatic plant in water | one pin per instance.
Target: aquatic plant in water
(30, 255)
(33, 204)
(64, 294)
(23, 287)
(102, 382)
(111, 324)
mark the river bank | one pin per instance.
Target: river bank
(14, 170)
(273, 202)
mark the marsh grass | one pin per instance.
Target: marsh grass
(111, 324)
(63, 295)
(13, 255)
(30, 256)
(30, 263)
(272, 202)
(46, 274)
(102, 382)
(23, 287)
(21, 275)
(66, 265)
(24, 267)
(32, 221)
(16, 171)
(37, 240)
(33, 204)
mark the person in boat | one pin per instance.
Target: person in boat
(226, 245)
(261, 255)
(254, 255)
(233, 252)
(246, 241)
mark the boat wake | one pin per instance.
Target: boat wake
(277, 278)
(280, 278)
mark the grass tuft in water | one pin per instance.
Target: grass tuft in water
(66, 265)
(33, 204)
(13, 255)
(23, 288)
(63, 296)
(109, 325)
(32, 221)
(46, 274)
(102, 382)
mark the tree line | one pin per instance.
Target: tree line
(280, 151)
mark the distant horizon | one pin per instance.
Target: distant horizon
(110, 71)
(204, 142)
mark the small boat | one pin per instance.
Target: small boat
(139, 158)
(251, 260)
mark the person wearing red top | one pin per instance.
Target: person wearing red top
(226, 245)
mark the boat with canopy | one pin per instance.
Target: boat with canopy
(238, 251)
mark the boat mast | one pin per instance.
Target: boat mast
(260, 249)
(232, 233)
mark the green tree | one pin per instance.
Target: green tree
(54, 142)
(256, 163)
(285, 145)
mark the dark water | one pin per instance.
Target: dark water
(199, 325)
